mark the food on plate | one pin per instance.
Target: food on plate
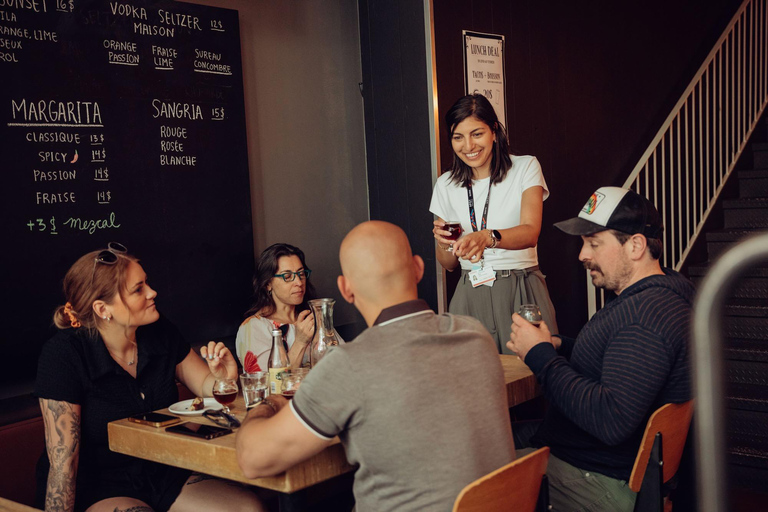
(198, 404)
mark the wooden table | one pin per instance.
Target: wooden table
(521, 383)
(217, 456)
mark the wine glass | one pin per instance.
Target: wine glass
(531, 312)
(225, 392)
(454, 228)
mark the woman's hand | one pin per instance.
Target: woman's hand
(446, 257)
(439, 233)
(220, 361)
(471, 246)
(305, 327)
(305, 331)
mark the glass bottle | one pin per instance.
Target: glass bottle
(278, 362)
(326, 336)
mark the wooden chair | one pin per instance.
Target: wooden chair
(656, 462)
(516, 486)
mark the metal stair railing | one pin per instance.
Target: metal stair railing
(694, 152)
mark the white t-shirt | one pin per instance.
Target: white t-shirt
(449, 202)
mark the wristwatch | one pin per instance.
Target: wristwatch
(495, 238)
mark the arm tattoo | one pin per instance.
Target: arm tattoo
(62, 441)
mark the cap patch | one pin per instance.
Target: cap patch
(592, 203)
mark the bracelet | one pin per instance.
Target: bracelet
(443, 247)
(493, 240)
(269, 403)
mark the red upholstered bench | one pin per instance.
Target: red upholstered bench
(22, 441)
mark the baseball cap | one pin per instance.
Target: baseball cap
(615, 208)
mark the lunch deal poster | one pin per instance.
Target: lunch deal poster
(484, 69)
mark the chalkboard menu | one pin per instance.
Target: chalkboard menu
(122, 121)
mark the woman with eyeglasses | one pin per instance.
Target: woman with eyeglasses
(281, 288)
(115, 356)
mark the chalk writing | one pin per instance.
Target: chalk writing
(92, 225)
(53, 111)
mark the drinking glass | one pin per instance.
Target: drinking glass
(255, 387)
(292, 381)
(530, 312)
(225, 392)
(454, 227)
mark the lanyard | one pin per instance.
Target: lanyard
(471, 201)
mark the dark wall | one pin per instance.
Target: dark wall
(588, 85)
(397, 124)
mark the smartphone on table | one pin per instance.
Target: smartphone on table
(199, 430)
(154, 419)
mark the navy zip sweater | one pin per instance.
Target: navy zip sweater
(631, 358)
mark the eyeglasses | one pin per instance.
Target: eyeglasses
(289, 276)
(222, 419)
(108, 256)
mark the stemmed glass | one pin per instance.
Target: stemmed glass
(530, 312)
(225, 392)
(454, 228)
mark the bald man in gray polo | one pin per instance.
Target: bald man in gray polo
(418, 399)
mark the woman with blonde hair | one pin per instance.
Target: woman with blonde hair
(115, 356)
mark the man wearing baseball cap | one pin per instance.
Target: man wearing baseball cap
(627, 361)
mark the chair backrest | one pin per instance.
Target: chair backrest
(511, 487)
(673, 421)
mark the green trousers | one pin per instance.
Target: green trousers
(574, 490)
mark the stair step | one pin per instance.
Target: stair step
(746, 288)
(720, 240)
(747, 428)
(751, 202)
(747, 308)
(746, 213)
(746, 456)
(746, 403)
(745, 328)
(746, 350)
(747, 478)
(753, 183)
(701, 271)
(747, 386)
(753, 174)
(760, 155)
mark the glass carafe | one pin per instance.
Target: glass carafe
(326, 336)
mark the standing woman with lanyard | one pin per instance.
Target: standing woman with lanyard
(498, 199)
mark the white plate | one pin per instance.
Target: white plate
(183, 409)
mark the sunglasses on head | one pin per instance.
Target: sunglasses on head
(289, 276)
(108, 256)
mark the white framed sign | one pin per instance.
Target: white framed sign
(484, 71)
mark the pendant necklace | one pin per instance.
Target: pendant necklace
(133, 359)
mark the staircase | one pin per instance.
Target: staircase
(745, 320)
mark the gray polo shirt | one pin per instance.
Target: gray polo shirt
(419, 403)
